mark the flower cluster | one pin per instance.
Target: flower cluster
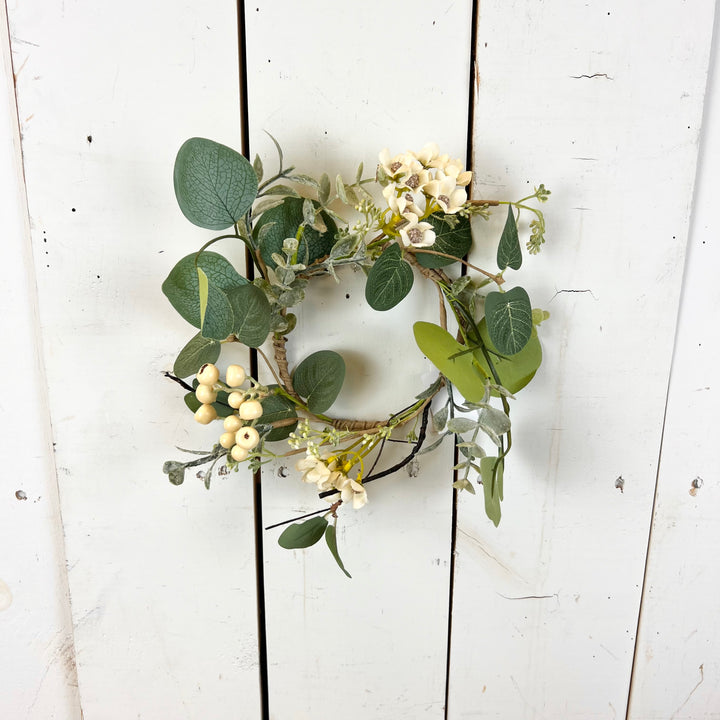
(328, 475)
(419, 184)
(240, 437)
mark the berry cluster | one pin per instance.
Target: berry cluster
(240, 437)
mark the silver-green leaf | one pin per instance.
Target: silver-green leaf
(214, 185)
(302, 535)
(318, 378)
(389, 281)
(509, 320)
(509, 253)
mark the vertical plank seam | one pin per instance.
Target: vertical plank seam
(698, 168)
(469, 156)
(33, 300)
(257, 475)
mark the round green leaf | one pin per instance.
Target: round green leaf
(452, 359)
(214, 185)
(514, 371)
(302, 535)
(251, 314)
(182, 288)
(195, 354)
(283, 221)
(389, 281)
(509, 320)
(451, 239)
(277, 407)
(318, 378)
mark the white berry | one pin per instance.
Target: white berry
(235, 399)
(235, 375)
(239, 453)
(232, 423)
(227, 440)
(247, 437)
(250, 410)
(205, 394)
(208, 374)
(205, 414)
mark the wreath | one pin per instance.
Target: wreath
(411, 218)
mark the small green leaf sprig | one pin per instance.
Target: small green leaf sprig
(293, 228)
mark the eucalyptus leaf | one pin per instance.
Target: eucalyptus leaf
(214, 185)
(182, 288)
(331, 540)
(492, 487)
(175, 471)
(493, 423)
(304, 180)
(217, 321)
(319, 378)
(281, 190)
(283, 221)
(509, 253)
(302, 535)
(514, 371)
(439, 418)
(509, 320)
(451, 359)
(251, 315)
(324, 191)
(198, 351)
(340, 186)
(431, 447)
(389, 281)
(459, 425)
(430, 391)
(258, 168)
(277, 407)
(450, 239)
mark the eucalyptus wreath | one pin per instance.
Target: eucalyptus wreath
(411, 218)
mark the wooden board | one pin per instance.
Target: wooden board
(676, 663)
(37, 662)
(161, 578)
(319, 83)
(603, 104)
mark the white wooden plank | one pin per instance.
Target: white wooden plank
(161, 578)
(37, 662)
(677, 671)
(603, 104)
(335, 84)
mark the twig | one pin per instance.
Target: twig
(180, 382)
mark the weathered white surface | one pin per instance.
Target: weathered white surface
(603, 104)
(677, 664)
(328, 81)
(37, 660)
(161, 578)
